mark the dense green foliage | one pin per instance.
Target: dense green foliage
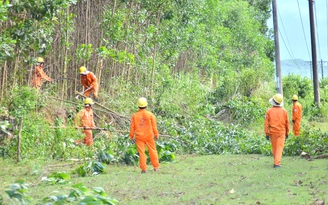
(205, 68)
(90, 168)
(223, 43)
(297, 85)
(79, 194)
(6, 41)
(311, 141)
(203, 132)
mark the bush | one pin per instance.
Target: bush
(295, 84)
(310, 141)
(244, 110)
(22, 101)
(79, 194)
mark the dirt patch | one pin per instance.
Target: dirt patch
(54, 112)
(223, 116)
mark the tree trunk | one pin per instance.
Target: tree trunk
(65, 68)
(4, 79)
(154, 59)
(15, 71)
(99, 72)
(19, 140)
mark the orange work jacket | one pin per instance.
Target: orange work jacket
(89, 80)
(38, 76)
(143, 125)
(84, 118)
(297, 111)
(276, 121)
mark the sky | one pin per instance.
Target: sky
(294, 29)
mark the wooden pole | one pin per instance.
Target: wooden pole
(19, 140)
(277, 48)
(314, 56)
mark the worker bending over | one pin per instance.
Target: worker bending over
(89, 82)
(39, 75)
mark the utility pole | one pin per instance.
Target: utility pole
(322, 76)
(314, 56)
(277, 47)
(323, 65)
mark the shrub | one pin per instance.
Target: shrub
(244, 110)
(295, 84)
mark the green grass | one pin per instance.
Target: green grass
(219, 179)
(318, 125)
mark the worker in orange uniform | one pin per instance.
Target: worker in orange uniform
(143, 131)
(39, 74)
(84, 119)
(297, 115)
(89, 82)
(276, 127)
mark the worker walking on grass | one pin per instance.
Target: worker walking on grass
(276, 127)
(39, 75)
(84, 120)
(143, 131)
(89, 82)
(297, 115)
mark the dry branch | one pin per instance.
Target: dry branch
(323, 156)
(115, 113)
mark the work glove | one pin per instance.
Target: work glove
(267, 137)
(286, 136)
(132, 141)
(293, 121)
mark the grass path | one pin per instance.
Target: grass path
(219, 179)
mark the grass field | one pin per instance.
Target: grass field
(220, 179)
(319, 125)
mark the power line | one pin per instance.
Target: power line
(299, 11)
(291, 50)
(295, 62)
(316, 23)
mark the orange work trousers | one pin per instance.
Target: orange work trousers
(94, 90)
(37, 82)
(88, 140)
(277, 143)
(296, 127)
(141, 146)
